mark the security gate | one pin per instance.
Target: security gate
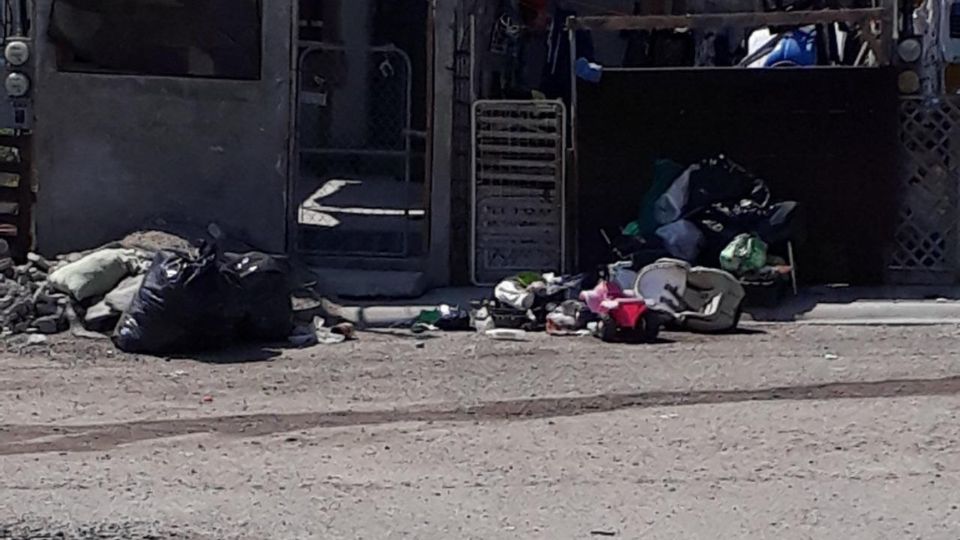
(354, 154)
(926, 248)
(517, 188)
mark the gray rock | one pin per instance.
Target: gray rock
(21, 327)
(39, 262)
(43, 296)
(47, 308)
(51, 324)
(19, 309)
(37, 276)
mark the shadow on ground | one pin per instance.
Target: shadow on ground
(33, 439)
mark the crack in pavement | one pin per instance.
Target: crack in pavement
(24, 439)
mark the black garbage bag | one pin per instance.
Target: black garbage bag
(721, 180)
(784, 222)
(184, 305)
(263, 285)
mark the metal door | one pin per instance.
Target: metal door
(354, 187)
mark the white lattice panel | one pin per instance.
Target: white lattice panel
(926, 241)
(517, 188)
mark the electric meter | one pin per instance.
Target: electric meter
(17, 85)
(17, 53)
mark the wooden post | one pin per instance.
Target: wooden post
(709, 21)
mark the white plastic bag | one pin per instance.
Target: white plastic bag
(513, 294)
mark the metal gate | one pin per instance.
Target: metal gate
(354, 153)
(926, 247)
(517, 188)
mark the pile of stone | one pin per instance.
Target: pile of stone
(27, 302)
(45, 297)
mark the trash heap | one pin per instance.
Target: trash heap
(189, 303)
(706, 238)
(624, 305)
(715, 214)
(164, 300)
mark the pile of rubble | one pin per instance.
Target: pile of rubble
(47, 296)
(27, 302)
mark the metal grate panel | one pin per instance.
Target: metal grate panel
(926, 242)
(517, 188)
(354, 134)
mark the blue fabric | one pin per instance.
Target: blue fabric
(798, 48)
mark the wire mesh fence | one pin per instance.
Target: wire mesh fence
(926, 247)
(354, 127)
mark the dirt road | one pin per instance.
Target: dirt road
(786, 432)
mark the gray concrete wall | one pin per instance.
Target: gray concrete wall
(114, 152)
(442, 141)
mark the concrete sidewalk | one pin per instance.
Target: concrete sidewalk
(824, 305)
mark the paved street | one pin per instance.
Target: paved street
(779, 432)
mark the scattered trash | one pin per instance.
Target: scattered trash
(206, 399)
(520, 292)
(34, 340)
(326, 336)
(177, 374)
(345, 329)
(747, 253)
(831, 356)
(445, 317)
(318, 333)
(568, 319)
(603, 533)
(506, 334)
(423, 328)
(701, 299)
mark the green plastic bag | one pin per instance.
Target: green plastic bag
(747, 253)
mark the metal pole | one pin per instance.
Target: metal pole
(16, 13)
(572, 36)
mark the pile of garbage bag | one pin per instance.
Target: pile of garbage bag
(152, 301)
(713, 214)
(187, 303)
